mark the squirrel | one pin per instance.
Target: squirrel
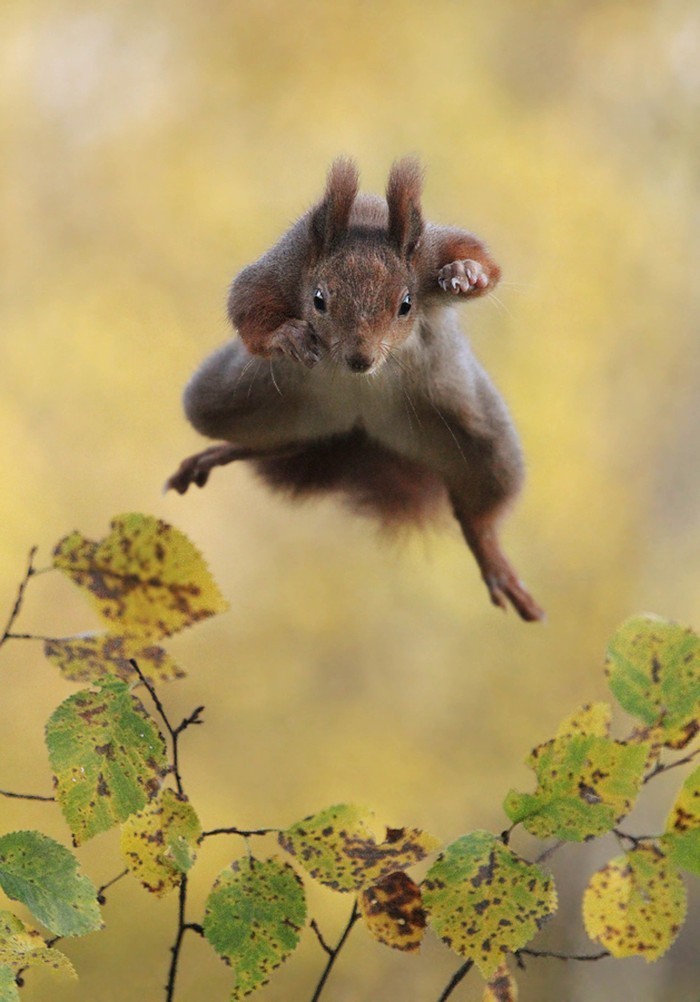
(351, 374)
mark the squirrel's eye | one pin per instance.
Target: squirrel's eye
(405, 306)
(319, 301)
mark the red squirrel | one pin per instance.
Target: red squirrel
(351, 374)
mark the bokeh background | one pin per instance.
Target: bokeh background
(149, 151)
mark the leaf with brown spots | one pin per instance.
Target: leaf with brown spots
(393, 911)
(585, 782)
(592, 718)
(159, 843)
(144, 578)
(682, 834)
(23, 946)
(653, 668)
(502, 987)
(254, 917)
(635, 905)
(337, 847)
(107, 755)
(92, 656)
(484, 901)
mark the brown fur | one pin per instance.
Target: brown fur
(351, 377)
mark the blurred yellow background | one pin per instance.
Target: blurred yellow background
(149, 151)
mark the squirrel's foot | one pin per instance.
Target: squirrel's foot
(296, 339)
(504, 586)
(463, 277)
(196, 469)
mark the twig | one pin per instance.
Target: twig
(550, 851)
(458, 976)
(552, 955)
(182, 928)
(324, 946)
(17, 607)
(110, 883)
(659, 768)
(174, 732)
(243, 832)
(634, 839)
(26, 796)
(334, 951)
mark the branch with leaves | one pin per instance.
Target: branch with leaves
(115, 764)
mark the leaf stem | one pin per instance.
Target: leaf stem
(333, 951)
(458, 976)
(17, 607)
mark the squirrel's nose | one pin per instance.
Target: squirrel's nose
(359, 363)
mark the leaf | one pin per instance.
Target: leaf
(145, 576)
(393, 911)
(107, 755)
(585, 782)
(93, 656)
(636, 904)
(653, 668)
(43, 875)
(593, 718)
(22, 946)
(159, 843)
(502, 987)
(484, 901)
(254, 917)
(336, 847)
(682, 838)
(9, 991)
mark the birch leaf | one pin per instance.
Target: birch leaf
(393, 912)
(93, 656)
(159, 843)
(682, 838)
(23, 946)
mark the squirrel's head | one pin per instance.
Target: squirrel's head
(361, 290)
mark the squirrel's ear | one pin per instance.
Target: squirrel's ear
(403, 193)
(331, 217)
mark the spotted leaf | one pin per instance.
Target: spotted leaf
(585, 783)
(591, 719)
(44, 876)
(144, 577)
(653, 669)
(92, 656)
(337, 847)
(23, 946)
(393, 911)
(636, 904)
(9, 992)
(254, 917)
(107, 755)
(502, 987)
(484, 901)
(682, 838)
(159, 843)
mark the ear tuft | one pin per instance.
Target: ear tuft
(403, 192)
(331, 217)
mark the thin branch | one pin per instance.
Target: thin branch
(26, 796)
(110, 883)
(334, 951)
(459, 975)
(552, 955)
(319, 936)
(182, 928)
(17, 607)
(634, 839)
(550, 851)
(174, 732)
(243, 832)
(659, 767)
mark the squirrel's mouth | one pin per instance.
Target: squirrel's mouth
(359, 363)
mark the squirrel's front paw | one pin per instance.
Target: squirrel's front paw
(297, 339)
(463, 276)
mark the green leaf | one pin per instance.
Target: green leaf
(336, 847)
(22, 946)
(9, 991)
(254, 917)
(484, 901)
(682, 838)
(585, 783)
(635, 905)
(93, 656)
(44, 876)
(159, 843)
(653, 668)
(393, 912)
(107, 755)
(145, 577)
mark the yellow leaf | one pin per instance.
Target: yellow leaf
(593, 718)
(23, 946)
(144, 578)
(393, 912)
(635, 905)
(92, 656)
(502, 987)
(159, 843)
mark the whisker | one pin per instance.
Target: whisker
(452, 434)
(274, 381)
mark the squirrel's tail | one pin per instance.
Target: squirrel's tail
(373, 480)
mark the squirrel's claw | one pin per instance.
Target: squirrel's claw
(297, 340)
(463, 277)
